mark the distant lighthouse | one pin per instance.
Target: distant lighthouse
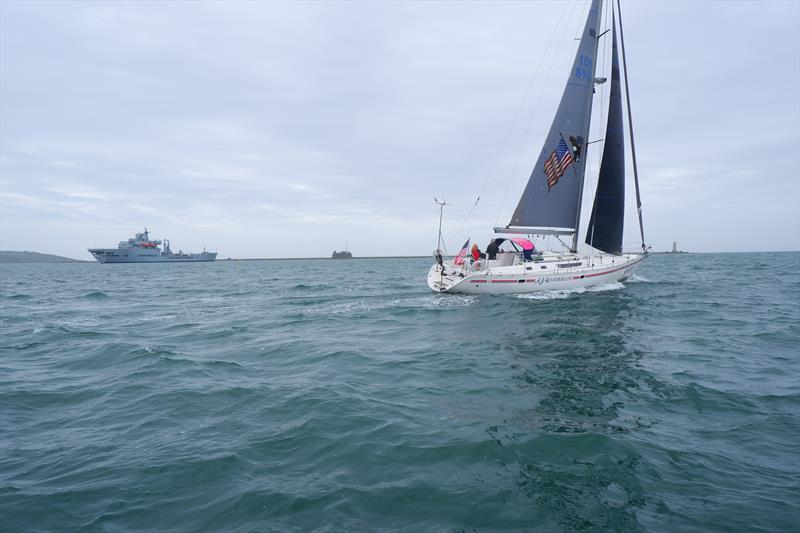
(674, 247)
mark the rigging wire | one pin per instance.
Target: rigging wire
(587, 5)
(510, 129)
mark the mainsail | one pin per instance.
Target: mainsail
(608, 211)
(552, 197)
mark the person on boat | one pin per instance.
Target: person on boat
(476, 252)
(492, 249)
(527, 254)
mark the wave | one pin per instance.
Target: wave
(158, 318)
(321, 407)
(554, 294)
(26, 345)
(560, 294)
(432, 301)
(20, 297)
(612, 286)
(309, 287)
(437, 301)
(72, 328)
(96, 295)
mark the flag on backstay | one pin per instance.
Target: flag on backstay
(459, 259)
(557, 163)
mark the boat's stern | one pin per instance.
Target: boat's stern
(443, 277)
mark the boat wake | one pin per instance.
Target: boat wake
(421, 302)
(613, 286)
(437, 302)
(560, 294)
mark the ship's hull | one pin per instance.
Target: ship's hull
(533, 276)
(115, 255)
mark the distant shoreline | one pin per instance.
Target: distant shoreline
(322, 258)
(14, 257)
(25, 257)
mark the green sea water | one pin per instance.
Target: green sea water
(345, 396)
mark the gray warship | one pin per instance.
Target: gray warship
(141, 249)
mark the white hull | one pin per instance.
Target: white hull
(549, 272)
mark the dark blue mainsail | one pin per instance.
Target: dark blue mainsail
(552, 196)
(608, 211)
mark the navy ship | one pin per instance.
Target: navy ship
(141, 249)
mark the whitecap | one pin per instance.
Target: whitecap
(560, 294)
(158, 318)
(349, 307)
(436, 301)
(613, 286)
(552, 294)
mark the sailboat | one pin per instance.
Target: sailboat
(551, 201)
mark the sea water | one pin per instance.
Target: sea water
(345, 396)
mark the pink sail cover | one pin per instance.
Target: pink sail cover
(525, 243)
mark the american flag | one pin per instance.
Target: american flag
(557, 163)
(459, 259)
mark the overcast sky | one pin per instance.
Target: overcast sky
(268, 129)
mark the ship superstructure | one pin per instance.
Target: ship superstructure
(142, 249)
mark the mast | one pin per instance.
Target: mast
(630, 126)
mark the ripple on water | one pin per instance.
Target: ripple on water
(345, 402)
(96, 295)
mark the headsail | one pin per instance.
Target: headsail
(553, 194)
(608, 211)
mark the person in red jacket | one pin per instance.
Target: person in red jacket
(476, 252)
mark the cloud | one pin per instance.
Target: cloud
(247, 125)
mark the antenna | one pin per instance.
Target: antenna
(441, 203)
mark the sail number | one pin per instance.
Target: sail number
(584, 68)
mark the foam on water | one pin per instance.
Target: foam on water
(603, 287)
(560, 294)
(551, 294)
